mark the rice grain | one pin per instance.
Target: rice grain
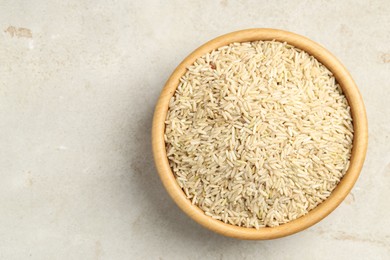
(258, 133)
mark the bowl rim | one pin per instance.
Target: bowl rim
(360, 139)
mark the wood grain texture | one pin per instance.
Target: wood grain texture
(360, 140)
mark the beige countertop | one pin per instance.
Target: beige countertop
(78, 84)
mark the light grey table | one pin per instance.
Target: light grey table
(78, 83)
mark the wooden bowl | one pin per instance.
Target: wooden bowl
(360, 139)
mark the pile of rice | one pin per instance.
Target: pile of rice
(258, 133)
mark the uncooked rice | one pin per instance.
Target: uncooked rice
(258, 133)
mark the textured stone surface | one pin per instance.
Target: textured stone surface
(78, 83)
